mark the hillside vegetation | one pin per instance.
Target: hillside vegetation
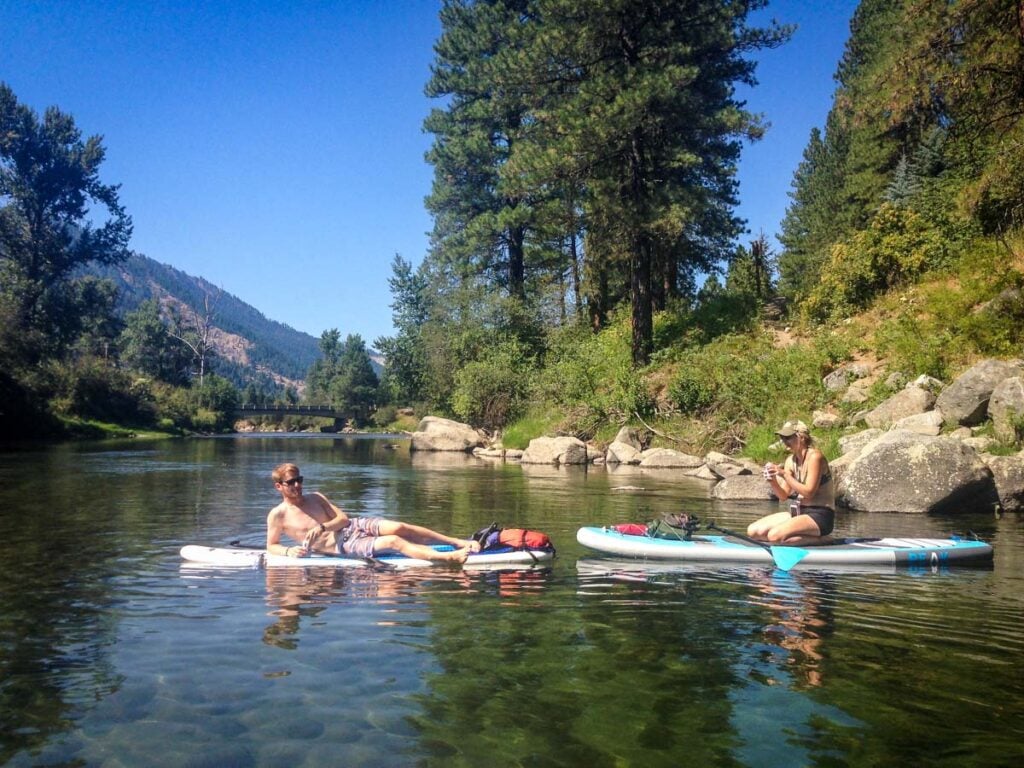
(565, 290)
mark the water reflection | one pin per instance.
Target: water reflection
(111, 653)
(801, 608)
(295, 595)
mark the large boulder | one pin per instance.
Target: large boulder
(853, 444)
(743, 488)
(907, 402)
(437, 434)
(622, 453)
(1008, 472)
(1006, 408)
(631, 436)
(903, 471)
(965, 401)
(555, 450)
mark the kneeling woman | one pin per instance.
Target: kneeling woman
(805, 480)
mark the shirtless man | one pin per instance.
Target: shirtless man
(322, 527)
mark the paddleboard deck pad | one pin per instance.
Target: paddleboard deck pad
(228, 557)
(909, 552)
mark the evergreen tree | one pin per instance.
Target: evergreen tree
(404, 353)
(480, 223)
(634, 98)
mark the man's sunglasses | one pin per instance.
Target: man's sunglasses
(293, 481)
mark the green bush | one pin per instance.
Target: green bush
(384, 415)
(590, 378)
(897, 247)
(91, 388)
(691, 394)
(491, 391)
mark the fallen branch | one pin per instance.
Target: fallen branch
(655, 431)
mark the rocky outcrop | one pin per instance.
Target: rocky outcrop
(965, 401)
(1008, 472)
(902, 471)
(1006, 408)
(437, 434)
(910, 401)
(555, 450)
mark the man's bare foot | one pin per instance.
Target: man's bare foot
(460, 555)
(471, 544)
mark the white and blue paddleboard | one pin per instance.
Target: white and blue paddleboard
(226, 557)
(909, 552)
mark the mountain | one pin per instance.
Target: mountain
(250, 347)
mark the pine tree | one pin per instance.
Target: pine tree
(634, 98)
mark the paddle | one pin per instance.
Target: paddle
(371, 561)
(785, 557)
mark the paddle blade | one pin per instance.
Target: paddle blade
(786, 557)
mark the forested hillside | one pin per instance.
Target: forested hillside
(270, 347)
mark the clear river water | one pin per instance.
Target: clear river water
(112, 653)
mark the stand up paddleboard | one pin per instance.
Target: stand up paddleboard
(224, 557)
(909, 552)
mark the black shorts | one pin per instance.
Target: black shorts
(823, 517)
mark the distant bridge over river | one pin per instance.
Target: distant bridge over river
(339, 415)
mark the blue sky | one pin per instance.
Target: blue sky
(276, 148)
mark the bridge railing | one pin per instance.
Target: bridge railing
(286, 407)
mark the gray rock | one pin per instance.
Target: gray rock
(824, 420)
(669, 459)
(630, 436)
(928, 423)
(906, 402)
(906, 472)
(896, 380)
(622, 453)
(857, 393)
(720, 465)
(965, 401)
(1006, 408)
(853, 444)
(437, 434)
(704, 473)
(979, 443)
(1008, 472)
(924, 381)
(743, 488)
(489, 453)
(555, 450)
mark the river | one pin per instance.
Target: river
(112, 653)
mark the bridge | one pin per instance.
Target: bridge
(339, 415)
